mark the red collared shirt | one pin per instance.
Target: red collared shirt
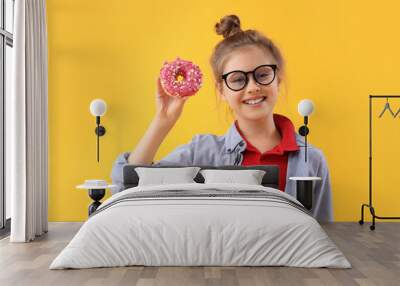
(277, 155)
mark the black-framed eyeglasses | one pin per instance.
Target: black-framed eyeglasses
(237, 80)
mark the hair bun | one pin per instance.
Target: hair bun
(228, 26)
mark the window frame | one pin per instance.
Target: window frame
(6, 39)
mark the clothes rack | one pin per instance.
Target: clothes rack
(370, 205)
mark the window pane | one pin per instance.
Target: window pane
(8, 87)
(1, 15)
(2, 197)
(9, 9)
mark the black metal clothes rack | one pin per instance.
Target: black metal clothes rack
(370, 206)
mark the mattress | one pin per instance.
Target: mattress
(201, 225)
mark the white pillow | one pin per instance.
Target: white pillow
(162, 176)
(248, 177)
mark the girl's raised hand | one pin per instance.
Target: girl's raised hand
(169, 108)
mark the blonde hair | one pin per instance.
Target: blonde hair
(234, 38)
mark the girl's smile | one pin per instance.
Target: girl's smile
(255, 101)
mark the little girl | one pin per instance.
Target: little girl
(248, 70)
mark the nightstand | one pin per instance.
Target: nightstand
(304, 190)
(96, 190)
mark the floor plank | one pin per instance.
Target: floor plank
(374, 255)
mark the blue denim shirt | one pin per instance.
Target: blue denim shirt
(209, 149)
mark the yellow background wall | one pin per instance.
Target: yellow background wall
(337, 52)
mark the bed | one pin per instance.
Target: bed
(201, 224)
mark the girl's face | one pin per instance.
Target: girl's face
(247, 59)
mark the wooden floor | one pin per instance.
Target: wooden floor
(375, 256)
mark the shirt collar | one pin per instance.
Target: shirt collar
(233, 139)
(289, 141)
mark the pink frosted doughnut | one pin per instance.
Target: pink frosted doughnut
(180, 78)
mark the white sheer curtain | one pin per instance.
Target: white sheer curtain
(28, 142)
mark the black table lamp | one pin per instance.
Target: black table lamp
(98, 108)
(305, 108)
(304, 185)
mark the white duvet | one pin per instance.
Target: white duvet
(183, 231)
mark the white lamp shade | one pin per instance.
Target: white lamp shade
(98, 107)
(305, 107)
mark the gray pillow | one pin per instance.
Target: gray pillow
(248, 177)
(162, 176)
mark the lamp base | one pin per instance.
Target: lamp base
(100, 130)
(303, 130)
